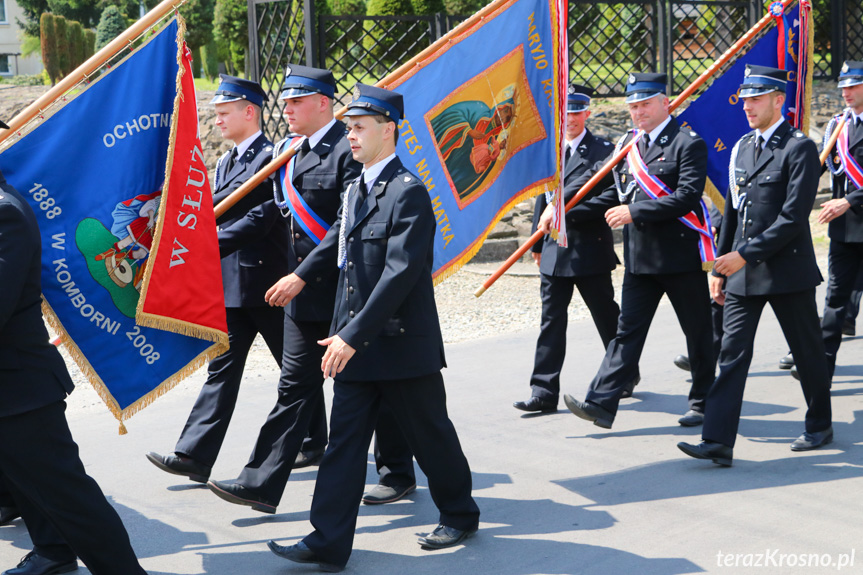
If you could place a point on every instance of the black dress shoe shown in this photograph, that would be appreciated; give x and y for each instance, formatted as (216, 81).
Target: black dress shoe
(682, 362)
(444, 536)
(786, 362)
(33, 564)
(300, 553)
(589, 411)
(849, 328)
(630, 389)
(716, 452)
(794, 373)
(181, 465)
(691, 418)
(387, 494)
(809, 441)
(309, 458)
(8, 515)
(239, 495)
(536, 404)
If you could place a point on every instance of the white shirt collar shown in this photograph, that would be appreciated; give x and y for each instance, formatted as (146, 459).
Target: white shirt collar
(243, 146)
(573, 144)
(654, 134)
(370, 176)
(315, 138)
(856, 117)
(766, 134)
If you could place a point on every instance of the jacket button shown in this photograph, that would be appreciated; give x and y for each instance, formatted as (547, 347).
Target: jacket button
(317, 279)
(371, 232)
(320, 184)
(749, 203)
(749, 222)
(351, 240)
(750, 184)
(297, 235)
(260, 263)
(401, 330)
(365, 343)
(749, 239)
(299, 259)
(352, 314)
(767, 178)
(350, 264)
(351, 289)
(681, 235)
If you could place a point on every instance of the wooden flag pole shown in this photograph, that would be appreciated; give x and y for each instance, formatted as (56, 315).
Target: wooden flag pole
(91, 65)
(825, 153)
(392, 78)
(614, 160)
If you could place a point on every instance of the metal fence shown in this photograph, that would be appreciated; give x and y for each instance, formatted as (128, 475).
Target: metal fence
(607, 40)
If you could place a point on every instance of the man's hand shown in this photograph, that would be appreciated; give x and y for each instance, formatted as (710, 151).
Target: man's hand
(729, 263)
(544, 224)
(284, 290)
(618, 216)
(716, 292)
(537, 257)
(832, 209)
(337, 355)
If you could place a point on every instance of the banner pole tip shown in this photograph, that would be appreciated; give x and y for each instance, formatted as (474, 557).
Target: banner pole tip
(480, 291)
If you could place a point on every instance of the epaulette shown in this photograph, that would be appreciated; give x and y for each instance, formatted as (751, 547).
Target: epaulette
(799, 134)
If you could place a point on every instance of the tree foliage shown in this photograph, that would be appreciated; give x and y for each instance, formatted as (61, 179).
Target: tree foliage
(231, 31)
(84, 11)
(427, 6)
(76, 45)
(348, 7)
(61, 31)
(49, 46)
(89, 44)
(111, 24)
(463, 7)
(33, 10)
(210, 60)
(383, 42)
(199, 22)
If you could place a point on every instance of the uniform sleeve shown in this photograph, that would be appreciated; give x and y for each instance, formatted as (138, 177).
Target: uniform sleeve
(412, 232)
(801, 163)
(727, 231)
(538, 208)
(16, 252)
(601, 198)
(691, 159)
(252, 227)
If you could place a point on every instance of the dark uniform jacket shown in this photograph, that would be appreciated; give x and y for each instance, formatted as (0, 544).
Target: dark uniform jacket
(253, 237)
(849, 226)
(320, 176)
(771, 227)
(32, 372)
(385, 307)
(590, 249)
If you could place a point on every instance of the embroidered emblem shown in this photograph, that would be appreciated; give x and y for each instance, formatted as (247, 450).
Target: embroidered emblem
(407, 179)
(663, 139)
(582, 149)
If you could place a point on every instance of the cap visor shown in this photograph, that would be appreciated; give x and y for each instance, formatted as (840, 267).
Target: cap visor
(223, 99)
(362, 112)
(576, 108)
(848, 82)
(295, 93)
(752, 92)
(641, 96)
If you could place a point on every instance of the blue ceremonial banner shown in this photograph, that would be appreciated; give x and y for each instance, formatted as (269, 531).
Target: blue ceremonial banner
(482, 123)
(721, 99)
(94, 172)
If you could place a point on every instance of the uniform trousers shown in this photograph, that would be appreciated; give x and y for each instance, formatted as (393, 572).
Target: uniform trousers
(845, 262)
(300, 403)
(393, 456)
(47, 542)
(639, 298)
(798, 317)
(205, 430)
(42, 466)
(597, 292)
(419, 406)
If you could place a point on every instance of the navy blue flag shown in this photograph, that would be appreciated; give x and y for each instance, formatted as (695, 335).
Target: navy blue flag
(94, 172)
(721, 99)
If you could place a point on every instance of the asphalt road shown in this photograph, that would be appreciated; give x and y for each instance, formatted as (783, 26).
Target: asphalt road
(558, 495)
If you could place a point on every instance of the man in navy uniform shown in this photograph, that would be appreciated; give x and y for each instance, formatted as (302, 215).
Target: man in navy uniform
(586, 262)
(662, 253)
(254, 248)
(385, 343)
(41, 466)
(766, 256)
(309, 192)
(844, 212)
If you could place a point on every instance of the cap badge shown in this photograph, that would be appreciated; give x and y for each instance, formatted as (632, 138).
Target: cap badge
(747, 72)
(632, 78)
(571, 89)
(356, 93)
(287, 71)
(845, 68)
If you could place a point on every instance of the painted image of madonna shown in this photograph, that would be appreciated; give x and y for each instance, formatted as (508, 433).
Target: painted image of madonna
(472, 138)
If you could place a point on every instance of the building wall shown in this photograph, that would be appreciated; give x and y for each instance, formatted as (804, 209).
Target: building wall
(10, 43)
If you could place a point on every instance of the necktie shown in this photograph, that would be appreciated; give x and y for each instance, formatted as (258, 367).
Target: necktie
(567, 155)
(306, 147)
(362, 192)
(232, 160)
(759, 145)
(644, 143)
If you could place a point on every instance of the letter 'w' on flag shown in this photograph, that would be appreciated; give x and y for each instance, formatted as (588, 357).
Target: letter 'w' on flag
(484, 121)
(129, 244)
(788, 45)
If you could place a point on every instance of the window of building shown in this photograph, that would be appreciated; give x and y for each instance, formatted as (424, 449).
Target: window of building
(3, 12)
(5, 68)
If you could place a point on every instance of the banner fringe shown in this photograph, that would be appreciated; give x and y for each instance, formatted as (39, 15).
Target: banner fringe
(459, 262)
